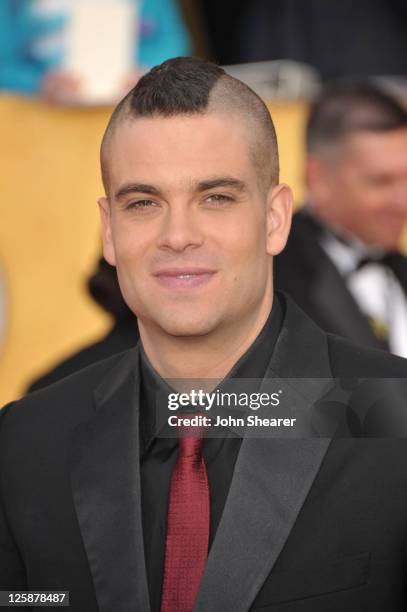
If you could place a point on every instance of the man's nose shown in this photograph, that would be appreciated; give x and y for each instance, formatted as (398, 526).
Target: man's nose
(180, 229)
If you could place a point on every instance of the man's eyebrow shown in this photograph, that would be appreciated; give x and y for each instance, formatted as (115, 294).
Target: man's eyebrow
(129, 188)
(221, 181)
(204, 185)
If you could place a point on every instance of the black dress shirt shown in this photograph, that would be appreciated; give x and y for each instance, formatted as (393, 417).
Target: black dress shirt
(158, 454)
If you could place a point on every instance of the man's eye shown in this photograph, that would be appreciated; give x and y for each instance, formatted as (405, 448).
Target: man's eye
(218, 198)
(140, 204)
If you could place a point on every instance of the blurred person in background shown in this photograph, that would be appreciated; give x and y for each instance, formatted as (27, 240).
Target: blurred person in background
(342, 263)
(32, 45)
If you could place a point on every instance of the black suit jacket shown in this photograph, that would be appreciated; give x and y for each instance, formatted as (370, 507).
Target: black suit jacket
(306, 272)
(309, 524)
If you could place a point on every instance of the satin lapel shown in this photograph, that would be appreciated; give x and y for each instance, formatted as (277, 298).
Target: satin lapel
(339, 309)
(105, 480)
(271, 480)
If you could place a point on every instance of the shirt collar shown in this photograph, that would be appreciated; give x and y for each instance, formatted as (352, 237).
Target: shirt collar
(345, 250)
(347, 254)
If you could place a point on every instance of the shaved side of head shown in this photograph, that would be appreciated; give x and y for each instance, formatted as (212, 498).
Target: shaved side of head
(230, 96)
(191, 86)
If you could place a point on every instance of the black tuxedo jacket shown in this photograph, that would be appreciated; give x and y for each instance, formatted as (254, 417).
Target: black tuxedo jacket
(305, 272)
(308, 525)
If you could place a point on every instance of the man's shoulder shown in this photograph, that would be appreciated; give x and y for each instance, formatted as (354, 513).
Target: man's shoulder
(348, 359)
(322, 351)
(305, 225)
(69, 400)
(301, 256)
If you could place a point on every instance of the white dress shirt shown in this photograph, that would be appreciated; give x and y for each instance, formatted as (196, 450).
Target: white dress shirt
(374, 287)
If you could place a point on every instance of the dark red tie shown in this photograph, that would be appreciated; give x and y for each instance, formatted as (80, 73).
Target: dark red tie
(186, 546)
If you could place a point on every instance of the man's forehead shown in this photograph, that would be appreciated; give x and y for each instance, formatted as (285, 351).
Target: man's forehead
(196, 127)
(188, 140)
(367, 141)
(376, 151)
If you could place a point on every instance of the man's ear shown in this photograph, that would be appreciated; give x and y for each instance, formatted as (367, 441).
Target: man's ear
(105, 219)
(279, 213)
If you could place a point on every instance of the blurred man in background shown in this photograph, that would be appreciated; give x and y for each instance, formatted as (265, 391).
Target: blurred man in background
(342, 263)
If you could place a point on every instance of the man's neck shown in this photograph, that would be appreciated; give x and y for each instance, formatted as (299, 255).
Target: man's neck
(209, 356)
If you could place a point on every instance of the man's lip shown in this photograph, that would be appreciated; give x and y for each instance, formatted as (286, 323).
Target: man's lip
(183, 272)
(184, 279)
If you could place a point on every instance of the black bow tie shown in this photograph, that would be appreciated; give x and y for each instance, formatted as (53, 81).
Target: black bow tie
(394, 261)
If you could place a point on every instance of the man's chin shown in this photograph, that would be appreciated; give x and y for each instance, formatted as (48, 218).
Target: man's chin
(186, 326)
(390, 243)
(187, 330)
(392, 236)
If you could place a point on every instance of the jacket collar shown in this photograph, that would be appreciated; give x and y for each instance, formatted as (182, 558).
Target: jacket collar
(105, 480)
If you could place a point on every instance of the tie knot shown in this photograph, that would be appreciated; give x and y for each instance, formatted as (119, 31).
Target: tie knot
(190, 446)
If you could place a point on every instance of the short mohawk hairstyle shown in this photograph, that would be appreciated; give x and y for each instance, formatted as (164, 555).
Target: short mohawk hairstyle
(177, 86)
(188, 86)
